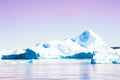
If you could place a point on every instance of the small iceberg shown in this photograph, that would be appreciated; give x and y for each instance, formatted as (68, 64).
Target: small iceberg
(106, 57)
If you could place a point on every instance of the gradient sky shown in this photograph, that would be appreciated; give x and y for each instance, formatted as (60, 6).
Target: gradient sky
(23, 23)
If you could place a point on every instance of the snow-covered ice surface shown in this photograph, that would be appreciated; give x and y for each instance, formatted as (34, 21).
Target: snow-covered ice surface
(86, 42)
(10, 51)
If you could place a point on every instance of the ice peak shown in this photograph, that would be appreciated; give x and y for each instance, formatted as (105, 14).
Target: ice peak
(89, 33)
(88, 38)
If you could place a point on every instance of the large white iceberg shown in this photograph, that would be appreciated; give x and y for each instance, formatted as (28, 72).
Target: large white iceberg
(82, 46)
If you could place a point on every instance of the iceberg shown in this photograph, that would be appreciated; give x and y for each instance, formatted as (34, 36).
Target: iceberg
(87, 45)
(10, 51)
(28, 54)
(101, 52)
(78, 47)
(106, 57)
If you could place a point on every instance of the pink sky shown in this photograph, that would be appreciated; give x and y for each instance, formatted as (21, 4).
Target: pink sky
(44, 20)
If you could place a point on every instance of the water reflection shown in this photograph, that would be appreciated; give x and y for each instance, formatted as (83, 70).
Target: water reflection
(28, 71)
(58, 70)
(84, 70)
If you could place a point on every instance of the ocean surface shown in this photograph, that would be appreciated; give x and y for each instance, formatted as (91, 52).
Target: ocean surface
(57, 69)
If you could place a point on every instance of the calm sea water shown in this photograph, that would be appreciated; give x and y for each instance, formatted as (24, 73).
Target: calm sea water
(56, 69)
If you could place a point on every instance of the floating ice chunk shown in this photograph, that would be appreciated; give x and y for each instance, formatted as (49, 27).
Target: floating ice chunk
(106, 57)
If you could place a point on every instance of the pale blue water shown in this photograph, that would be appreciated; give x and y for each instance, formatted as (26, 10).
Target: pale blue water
(55, 69)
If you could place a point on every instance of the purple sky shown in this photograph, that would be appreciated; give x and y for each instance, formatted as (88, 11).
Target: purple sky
(24, 23)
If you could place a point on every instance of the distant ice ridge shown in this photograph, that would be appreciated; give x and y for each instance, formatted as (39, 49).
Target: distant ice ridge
(86, 45)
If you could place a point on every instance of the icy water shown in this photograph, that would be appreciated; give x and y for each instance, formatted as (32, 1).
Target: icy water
(55, 69)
